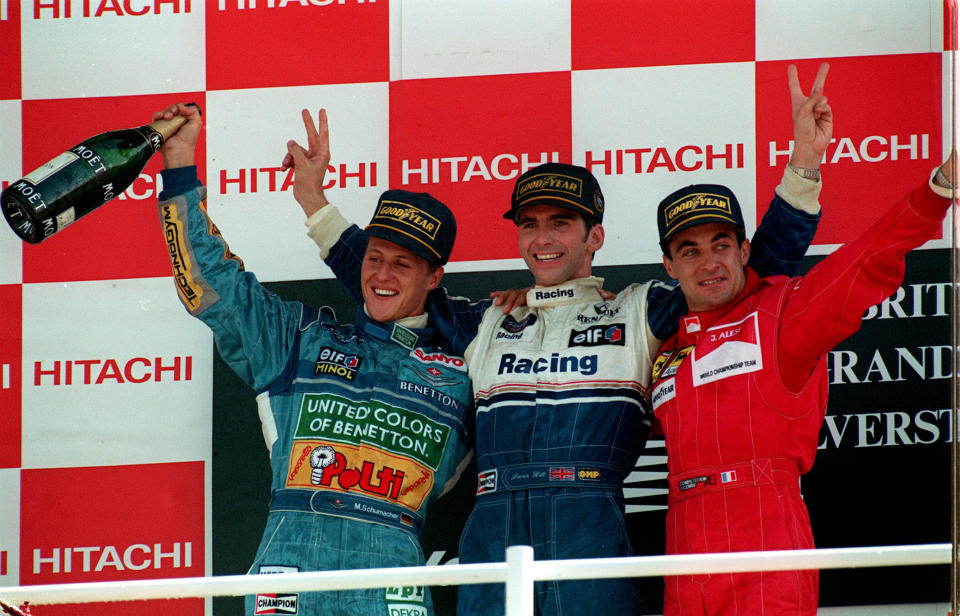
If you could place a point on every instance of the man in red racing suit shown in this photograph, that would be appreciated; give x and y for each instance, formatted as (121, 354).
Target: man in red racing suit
(741, 390)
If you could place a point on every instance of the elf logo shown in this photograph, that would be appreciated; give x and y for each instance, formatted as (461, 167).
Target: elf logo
(598, 335)
(337, 363)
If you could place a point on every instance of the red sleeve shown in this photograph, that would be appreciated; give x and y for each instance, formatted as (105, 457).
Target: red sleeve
(827, 305)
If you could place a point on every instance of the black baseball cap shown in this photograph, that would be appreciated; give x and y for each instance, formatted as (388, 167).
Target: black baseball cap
(416, 221)
(697, 204)
(560, 185)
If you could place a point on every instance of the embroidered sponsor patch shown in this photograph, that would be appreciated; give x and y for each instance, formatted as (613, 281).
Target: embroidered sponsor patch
(726, 350)
(330, 361)
(562, 473)
(407, 594)
(487, 482)
(360, 470)
(437, 357)
(403, 336)
(598, 335)
(663, 391)
(276, 603)
(588, 474)
(513, 326)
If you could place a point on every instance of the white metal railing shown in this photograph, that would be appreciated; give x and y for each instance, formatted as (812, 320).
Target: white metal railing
(518, 572)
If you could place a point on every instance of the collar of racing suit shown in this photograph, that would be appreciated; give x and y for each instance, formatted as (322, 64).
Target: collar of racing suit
(693, 323)
(570, 292)
(408, 332)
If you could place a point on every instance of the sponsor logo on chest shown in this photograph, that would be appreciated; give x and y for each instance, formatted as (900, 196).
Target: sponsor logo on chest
(330, 361)
(598, 335)
(727, 350)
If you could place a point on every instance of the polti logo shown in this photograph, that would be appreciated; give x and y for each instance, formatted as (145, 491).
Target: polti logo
(66, 9)
(453, 157)
(275, 179)
(126, 522)
(128, 241)
(99, 371)
(870, 139)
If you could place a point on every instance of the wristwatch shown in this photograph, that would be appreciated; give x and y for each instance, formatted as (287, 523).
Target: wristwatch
(810, 174)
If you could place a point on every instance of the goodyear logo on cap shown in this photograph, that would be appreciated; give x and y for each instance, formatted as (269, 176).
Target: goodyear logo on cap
(396, 215)
(551, 182)
(698, 204)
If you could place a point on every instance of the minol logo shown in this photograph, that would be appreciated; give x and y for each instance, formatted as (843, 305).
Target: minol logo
(598, 335)
(554, 294)
(511, 364)
(337, 363)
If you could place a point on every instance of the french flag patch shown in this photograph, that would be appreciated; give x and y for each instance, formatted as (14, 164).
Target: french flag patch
(728, 476)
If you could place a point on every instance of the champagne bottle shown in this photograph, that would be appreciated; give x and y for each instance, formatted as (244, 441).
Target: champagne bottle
(80, 180)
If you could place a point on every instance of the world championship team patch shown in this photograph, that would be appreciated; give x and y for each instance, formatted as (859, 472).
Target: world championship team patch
(727, 350)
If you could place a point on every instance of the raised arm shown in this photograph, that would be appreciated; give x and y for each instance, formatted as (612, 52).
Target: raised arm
(254, 329)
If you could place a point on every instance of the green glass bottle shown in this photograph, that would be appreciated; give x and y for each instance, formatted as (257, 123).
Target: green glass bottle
(80, 180)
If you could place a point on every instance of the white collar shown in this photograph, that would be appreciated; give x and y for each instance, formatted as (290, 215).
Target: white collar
(569, 292)
(418, 321)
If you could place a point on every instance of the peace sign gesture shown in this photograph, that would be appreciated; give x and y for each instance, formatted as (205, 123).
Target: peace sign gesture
(310, 164)
(812, 119)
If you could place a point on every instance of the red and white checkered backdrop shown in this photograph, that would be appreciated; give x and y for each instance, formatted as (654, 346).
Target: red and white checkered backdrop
(106, 385)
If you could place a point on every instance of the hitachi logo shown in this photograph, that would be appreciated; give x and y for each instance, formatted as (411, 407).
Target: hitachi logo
(554, 294)
(511, 364)
(869, 149)
(63, 9)
(134, 557)
(99, 371)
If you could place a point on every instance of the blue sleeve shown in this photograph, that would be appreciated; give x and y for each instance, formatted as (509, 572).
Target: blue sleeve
(781, 239)
(255, 331)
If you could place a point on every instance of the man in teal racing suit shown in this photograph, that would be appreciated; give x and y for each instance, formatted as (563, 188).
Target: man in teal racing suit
(561, 384)
(365, 424)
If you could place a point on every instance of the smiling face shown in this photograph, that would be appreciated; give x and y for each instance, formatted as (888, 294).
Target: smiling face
(708, 263)
(555, 244)
(395, 282)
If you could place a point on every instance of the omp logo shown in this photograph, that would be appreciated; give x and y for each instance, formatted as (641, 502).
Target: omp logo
(99, 371)
(275, 179)
(135, 557)
(279, 4)
(466, 168)
(870, 149)
(64, 9)
(511, 364)
(660, 159)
